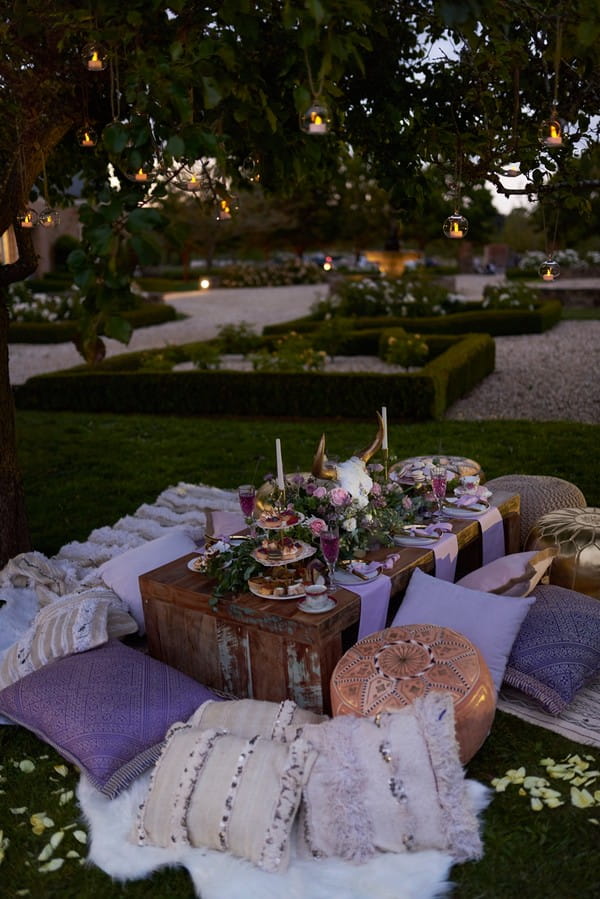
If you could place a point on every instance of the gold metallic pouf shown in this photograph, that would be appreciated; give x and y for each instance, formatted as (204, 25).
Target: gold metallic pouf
(388, 670)
(576, 532)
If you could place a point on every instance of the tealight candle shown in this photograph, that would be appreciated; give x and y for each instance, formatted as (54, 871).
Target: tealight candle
(141, 175)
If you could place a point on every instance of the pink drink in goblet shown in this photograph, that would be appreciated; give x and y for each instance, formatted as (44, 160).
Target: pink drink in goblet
(330, 547)
(439, 480)
(247, 496)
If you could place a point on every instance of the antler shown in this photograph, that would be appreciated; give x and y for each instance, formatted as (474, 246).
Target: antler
(320, 469)
(366, 454)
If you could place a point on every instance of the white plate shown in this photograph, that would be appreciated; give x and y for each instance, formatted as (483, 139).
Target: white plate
(305, 552)
(326, 607)
(280, 527)
(347, 577)
(408, 540)
(270, 595)
(466, 511)
(190, 565)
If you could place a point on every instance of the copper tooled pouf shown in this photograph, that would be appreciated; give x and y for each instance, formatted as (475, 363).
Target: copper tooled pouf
(391, 668)
(576, 532)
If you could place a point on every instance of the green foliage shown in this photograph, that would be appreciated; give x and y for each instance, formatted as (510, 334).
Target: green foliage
(406, 350)
(291, 353)
(270, 275)
(415, 295)
(510, 296)
(241, 338)
(206, 357)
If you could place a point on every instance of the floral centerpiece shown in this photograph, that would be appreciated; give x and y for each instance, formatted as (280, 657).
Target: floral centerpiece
(369, 512)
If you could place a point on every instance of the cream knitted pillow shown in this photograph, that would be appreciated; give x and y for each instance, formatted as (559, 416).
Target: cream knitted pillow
(249, 717)
(214, 789)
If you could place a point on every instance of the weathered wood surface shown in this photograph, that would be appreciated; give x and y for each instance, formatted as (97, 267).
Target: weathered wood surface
(269, 649)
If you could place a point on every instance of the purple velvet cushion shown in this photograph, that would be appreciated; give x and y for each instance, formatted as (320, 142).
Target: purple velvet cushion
(106, 710)
(557, 650)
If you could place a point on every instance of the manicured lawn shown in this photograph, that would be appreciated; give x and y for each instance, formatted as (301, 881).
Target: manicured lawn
(83, 471)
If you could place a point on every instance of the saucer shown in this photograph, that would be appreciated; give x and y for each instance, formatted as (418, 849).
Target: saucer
(318, 610)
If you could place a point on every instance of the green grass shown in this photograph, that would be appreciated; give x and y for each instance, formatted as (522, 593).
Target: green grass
(83, 471)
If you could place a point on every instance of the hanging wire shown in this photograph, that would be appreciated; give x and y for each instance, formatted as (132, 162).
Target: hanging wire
(550, 246)
(557, 58)
(115, 90)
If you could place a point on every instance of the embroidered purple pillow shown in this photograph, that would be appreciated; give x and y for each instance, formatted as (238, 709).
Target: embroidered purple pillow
(557, 650)
(106, 710)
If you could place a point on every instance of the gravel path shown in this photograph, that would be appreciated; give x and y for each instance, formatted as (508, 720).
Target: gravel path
(546, 377)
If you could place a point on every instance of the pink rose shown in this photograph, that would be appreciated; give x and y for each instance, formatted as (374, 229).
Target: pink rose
(376, 489)
(320, 492)
(339, 497)
(316, 525)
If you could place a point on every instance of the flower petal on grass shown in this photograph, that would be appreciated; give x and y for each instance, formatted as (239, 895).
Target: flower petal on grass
(26, 766)
(581, 798)
(53, 865)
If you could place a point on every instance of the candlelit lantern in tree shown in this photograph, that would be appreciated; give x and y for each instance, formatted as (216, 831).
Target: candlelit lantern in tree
(87, 137)
(28, 218)
(49, 218)
(513, 170)
(456, 226)
(549, 270)
(226, 206)
(250, 169)
(94, 57)
(316, 119)
(551, 132)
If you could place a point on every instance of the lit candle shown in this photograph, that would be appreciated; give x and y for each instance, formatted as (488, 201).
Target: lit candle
(27, 220)
(94, 63)
(554, 139)
(280, 475)
(455, 231)
(384, 439)
(87, 141)
(547, 276)
(141, 175)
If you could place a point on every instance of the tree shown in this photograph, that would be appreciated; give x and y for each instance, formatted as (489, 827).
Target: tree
(221, 80)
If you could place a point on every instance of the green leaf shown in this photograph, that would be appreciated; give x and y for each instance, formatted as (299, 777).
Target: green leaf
(175, 146)
(144, 220)
(146, 248)
(118, 328)
(211, 91)
(316, 10)
(115, 137)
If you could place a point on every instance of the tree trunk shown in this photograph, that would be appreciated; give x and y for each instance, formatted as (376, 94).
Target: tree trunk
(14, 533)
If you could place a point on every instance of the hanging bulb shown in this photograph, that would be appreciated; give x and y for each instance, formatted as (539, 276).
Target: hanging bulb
(456, 226)
(87, 137)
(49, 218)
(94, 57)
(549, 270)
(316, 119)
(27, 219)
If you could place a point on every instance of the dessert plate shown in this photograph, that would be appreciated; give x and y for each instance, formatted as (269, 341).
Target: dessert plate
(471, 511)
(346, 576)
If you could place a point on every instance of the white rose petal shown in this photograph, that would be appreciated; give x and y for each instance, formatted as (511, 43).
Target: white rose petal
(80, 836)
(26, 766)
(53, 865)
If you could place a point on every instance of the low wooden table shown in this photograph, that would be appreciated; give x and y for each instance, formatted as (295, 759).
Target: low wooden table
(268, 649)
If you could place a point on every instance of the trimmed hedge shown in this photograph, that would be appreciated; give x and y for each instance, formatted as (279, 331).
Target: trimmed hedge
(497, 322)
(459, 364)
(65, 332)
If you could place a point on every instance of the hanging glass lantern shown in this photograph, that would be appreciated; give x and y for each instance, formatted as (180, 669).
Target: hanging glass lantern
(87, 137)
(49, 218)
(250, 169)
(549, 270)
(455, 226)
(225, 207)
(145, 174)
(512, 170)
(94, 57)
(316, 119)
(28, 218)
(551, 132)
(190, 178)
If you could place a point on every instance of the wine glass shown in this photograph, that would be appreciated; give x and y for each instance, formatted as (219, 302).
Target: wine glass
(438, 477)
(247, 497)
(330, 547)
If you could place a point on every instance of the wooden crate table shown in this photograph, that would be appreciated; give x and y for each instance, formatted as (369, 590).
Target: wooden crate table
(268, 649)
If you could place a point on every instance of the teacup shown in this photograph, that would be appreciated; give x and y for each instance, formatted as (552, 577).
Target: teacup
(316, 596)
(470, 481)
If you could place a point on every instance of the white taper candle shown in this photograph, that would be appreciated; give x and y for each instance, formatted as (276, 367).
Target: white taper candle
(384, 441)
(280, 476)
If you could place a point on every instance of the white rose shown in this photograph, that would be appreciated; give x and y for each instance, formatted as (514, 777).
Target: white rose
(349, 524)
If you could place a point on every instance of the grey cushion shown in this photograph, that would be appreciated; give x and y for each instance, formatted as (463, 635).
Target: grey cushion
(539, 494)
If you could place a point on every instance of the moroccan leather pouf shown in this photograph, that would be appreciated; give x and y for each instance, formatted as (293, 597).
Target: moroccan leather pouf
(389, 669)
(576, 532)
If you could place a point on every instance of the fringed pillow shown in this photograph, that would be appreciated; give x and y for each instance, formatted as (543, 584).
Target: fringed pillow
(391, 783)
(65, 627)
(252, 717)
(214, 789)
(514, 575)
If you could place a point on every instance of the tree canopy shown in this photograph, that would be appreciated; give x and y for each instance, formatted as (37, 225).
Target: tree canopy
(456, 87)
